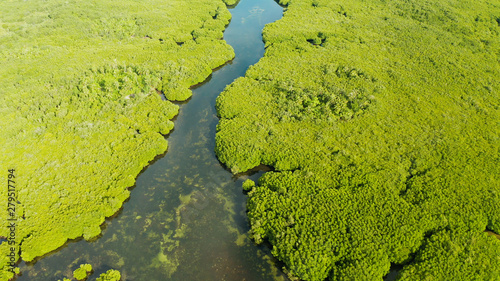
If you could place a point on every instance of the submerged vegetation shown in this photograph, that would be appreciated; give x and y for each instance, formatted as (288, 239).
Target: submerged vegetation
(81, 87)
(381, 120)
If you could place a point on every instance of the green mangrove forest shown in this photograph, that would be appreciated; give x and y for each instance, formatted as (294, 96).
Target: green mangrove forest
(377, 124)
(81, 109)
(382, 122)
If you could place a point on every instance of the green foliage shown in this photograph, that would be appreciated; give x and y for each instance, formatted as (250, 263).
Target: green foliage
(82, 272)
(381, 120)
(110, 275)
(248, 185)
(81, 107)
(456, 255)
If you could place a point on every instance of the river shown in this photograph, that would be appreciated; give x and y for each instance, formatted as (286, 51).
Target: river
(185, 219)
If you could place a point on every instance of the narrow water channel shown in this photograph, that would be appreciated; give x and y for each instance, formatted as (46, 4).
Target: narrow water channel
(185, 219)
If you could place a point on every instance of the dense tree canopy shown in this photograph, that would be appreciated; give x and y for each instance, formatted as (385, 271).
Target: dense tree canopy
(381, 119)
(81, 109)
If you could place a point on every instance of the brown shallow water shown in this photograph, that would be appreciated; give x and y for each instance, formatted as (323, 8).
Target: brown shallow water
(186, 217)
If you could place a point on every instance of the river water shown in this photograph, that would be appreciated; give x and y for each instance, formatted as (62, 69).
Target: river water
(185, 219)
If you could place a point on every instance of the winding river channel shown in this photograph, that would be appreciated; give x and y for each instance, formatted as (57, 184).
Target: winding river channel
(185, 219)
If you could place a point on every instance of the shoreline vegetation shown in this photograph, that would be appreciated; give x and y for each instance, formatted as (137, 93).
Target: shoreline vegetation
(381, 122)
(80, 107)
